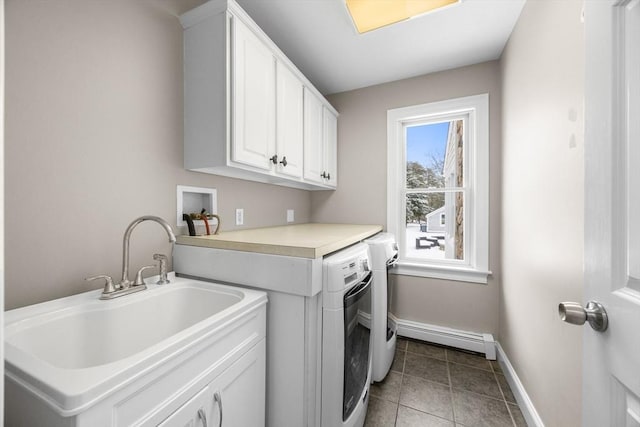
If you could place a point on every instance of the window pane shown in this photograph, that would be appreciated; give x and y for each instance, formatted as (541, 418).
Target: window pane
(434, 154)
(435, 226)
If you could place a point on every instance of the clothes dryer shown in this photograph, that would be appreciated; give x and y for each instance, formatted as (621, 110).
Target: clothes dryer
(384, 256)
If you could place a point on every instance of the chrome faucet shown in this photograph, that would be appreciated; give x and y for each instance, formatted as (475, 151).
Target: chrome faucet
(126, 286)
(125, 282)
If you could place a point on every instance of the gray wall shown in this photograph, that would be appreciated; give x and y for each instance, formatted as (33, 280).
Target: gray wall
(94, 140)
(361, 196)
(543, 155)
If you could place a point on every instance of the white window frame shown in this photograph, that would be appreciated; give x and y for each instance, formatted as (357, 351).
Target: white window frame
(475, 110)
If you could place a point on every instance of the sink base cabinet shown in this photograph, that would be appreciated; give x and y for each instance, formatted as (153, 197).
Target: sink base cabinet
(235, 397)
(229, 364)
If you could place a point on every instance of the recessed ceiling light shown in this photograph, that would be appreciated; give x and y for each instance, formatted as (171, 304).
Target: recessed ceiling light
(369, 15)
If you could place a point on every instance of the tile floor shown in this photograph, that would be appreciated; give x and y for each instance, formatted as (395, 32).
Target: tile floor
(434, 386)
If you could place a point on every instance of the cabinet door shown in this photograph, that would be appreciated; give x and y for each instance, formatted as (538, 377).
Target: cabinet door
(253, 94)
(238, 394)
(194, 413)
(330, 144)
(289, 129)
(313, 142)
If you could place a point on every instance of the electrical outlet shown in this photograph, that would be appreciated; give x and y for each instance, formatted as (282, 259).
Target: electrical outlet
(290, 215)
(239, 216)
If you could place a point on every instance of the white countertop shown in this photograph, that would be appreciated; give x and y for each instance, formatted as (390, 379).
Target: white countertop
(298, 240)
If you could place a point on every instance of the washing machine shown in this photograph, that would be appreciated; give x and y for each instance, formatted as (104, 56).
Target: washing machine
(346, 341)
(384, 256)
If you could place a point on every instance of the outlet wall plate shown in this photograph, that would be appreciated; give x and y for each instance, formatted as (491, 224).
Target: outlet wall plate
(290, 215)
(239, 216)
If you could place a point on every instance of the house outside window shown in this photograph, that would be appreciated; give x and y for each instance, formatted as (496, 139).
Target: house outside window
(438, 188)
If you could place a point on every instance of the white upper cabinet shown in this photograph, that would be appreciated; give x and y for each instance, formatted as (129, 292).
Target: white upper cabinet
(330, 144)
(320, 142)
(313, 146)
(248, 110)
(253, 99)
(289, 126)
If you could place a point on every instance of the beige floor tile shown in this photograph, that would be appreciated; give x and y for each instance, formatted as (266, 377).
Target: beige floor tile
(389, 388)
(398, 361)
(426, 396)
(477, 361)
(496, 367)
(474, 410)
(380, 413)
(409, 417)
(518, 418)
(427, 368)
(475, 380)
(426, 349)
(401, 343)
(506, 390)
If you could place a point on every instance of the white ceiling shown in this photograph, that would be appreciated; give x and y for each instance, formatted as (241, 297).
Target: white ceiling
(318, 36)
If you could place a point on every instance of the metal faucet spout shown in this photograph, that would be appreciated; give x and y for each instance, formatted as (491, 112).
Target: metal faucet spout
(125, 283)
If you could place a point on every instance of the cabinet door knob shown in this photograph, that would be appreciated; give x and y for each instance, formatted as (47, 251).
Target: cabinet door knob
(323, 174)
(274, 159)
(328, 176)
(284, 161)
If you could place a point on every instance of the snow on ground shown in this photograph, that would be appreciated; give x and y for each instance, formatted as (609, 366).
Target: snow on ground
(413, 232)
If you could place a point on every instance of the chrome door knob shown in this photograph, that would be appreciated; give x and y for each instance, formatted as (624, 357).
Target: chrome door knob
(594, 313)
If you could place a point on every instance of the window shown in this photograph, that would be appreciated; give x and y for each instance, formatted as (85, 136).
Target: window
(438, 188)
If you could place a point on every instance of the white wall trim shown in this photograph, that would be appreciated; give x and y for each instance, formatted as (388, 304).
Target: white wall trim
(441, 272)
(524, 402)
(482, 343)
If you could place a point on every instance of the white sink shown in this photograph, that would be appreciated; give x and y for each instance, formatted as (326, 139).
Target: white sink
(75, 350)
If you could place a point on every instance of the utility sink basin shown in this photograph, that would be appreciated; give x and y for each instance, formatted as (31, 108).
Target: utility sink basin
(75, 350)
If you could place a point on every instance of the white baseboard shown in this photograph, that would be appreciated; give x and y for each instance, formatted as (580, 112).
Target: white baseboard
(524, 402)
(481, 343)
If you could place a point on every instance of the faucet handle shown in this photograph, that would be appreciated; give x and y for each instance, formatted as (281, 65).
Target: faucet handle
(108, 286)
(139, 280)
(163, 268)
(160, 257)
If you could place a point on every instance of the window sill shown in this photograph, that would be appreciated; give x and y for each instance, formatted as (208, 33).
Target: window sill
(441, 272)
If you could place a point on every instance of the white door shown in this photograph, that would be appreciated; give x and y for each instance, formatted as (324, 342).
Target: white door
(611, 368)
(289, 122)
(254, 99)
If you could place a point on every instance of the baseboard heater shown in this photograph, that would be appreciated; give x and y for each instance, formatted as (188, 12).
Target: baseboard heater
(478, 342)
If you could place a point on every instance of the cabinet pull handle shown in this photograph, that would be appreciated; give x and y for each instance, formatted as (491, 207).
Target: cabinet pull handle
(274, 159)
(218, 399)
(284, 161)
(203, 417)
(323, 174)
(329, 176)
